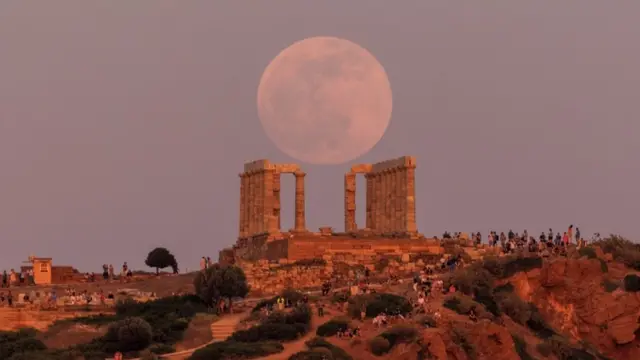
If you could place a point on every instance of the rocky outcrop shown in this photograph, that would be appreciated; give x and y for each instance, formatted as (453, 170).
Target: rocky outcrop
(570, 295)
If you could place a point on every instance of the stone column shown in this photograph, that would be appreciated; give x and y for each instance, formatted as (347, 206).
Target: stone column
(379, 201)
(250, 214)
(369, 202)
(300, 205)
(411, 198)
(259, 198)
(402, 199)
(393, 199)
(242, 230)
(383, 200)
(276, 199)
(350, 202)
(268, 219)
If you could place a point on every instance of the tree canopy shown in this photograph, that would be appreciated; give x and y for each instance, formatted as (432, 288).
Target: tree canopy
(221, 281)
(161, 258)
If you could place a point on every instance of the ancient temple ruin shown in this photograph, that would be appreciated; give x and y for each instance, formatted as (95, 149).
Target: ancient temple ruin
(390, 215)
(390, 196)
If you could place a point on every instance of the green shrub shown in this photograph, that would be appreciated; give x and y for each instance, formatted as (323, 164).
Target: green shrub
(399, 334)
(270, 332)
(622, 250)
(589, 252)
(460, 304)
(504, 288)
(379, 346)
(609, 286)
(340, 296)
(315, 354)
(337, 352)
(299, 315)
(379, 303)
(459, 337)
(538, 325)
(521, 347)
(516, 309)
(512, 265)
(227, 350)
(131, 334)
(603, 266)
(17, 343)
(289, 294)
(470, 279)
(162, 349)
(332, 327)
(631, 283)
(559, 347)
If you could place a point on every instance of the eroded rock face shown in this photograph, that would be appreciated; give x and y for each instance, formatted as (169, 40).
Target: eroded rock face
(570, 295)
(492, 341)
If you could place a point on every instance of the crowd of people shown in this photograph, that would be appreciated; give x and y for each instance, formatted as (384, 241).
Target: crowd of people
(547, 242)
(24, 277)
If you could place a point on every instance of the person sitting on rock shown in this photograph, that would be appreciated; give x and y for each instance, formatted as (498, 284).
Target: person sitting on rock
(355, 332)
(472, 315)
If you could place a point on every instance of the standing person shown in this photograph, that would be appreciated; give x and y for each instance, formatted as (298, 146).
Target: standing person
(12, 277)
(203, 264)
(577, 234)
(105, 272)
(5, 279)
(208, 262)
(565, 239)
(10, 299)
(570, 233)
(550, 235)
(111, 272)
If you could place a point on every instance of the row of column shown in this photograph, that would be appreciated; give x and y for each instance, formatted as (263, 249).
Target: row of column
(260, 202)
(390, 204)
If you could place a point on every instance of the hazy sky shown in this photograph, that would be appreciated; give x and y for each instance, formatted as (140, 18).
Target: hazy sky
(124, 124)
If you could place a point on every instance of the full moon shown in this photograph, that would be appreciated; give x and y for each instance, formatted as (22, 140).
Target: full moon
(324, 100)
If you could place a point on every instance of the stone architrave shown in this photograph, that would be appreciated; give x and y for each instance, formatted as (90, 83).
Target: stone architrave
(300, 224)
(350, 202)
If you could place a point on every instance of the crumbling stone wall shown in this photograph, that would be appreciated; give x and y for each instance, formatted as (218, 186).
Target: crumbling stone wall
(270, 278)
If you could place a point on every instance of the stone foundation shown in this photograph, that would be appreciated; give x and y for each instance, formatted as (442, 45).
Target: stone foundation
(323, 246)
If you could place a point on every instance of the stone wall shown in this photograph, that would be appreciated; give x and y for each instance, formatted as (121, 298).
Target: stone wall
(364, 250)
(12, 319)
(271, 278)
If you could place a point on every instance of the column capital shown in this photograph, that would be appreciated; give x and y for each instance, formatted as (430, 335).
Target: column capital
(299, 174)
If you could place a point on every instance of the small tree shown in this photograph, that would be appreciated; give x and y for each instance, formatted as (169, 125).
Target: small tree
(221, 281)
(161, 258)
